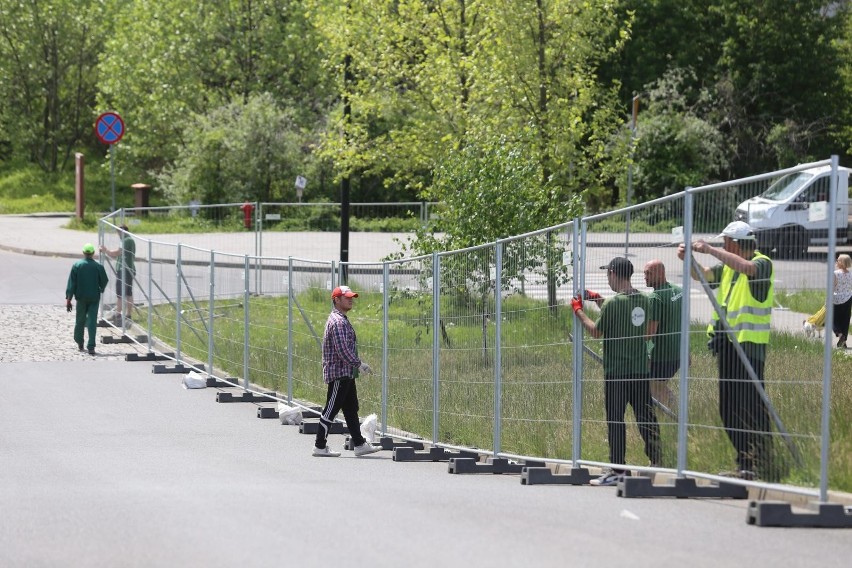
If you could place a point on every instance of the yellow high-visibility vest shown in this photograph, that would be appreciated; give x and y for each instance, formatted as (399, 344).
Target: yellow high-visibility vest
(748, 318)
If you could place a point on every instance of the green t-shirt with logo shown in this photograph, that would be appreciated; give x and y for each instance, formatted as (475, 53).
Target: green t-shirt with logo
(623, 323)
(666, 303)
(128, 258)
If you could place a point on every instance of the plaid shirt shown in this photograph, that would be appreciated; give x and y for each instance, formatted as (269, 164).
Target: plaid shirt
(339, 348)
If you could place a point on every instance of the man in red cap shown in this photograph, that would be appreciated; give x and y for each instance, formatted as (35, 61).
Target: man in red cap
(340, 368)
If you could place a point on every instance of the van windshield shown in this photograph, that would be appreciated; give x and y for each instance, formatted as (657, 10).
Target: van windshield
(787, 186)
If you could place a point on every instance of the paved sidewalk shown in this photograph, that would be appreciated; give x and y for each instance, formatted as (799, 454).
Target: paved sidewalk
(42, 235)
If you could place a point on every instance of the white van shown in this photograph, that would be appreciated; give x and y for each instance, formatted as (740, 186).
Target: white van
(792, 214)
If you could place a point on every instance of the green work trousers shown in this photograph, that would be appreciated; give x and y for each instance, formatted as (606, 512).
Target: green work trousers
(87, 316)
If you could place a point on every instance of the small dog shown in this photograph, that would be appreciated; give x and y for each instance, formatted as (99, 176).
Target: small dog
(811, 330)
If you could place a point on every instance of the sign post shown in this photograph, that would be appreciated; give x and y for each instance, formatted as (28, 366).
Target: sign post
(109, 129)
(301, 182)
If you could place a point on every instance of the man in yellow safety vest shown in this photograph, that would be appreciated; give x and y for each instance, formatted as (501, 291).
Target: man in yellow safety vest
(744, 279)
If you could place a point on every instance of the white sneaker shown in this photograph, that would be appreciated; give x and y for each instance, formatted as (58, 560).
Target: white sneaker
(325, 452)
(609, 477)
(366, 448)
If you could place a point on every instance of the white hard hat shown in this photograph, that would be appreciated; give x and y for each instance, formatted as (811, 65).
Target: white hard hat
(737, 230)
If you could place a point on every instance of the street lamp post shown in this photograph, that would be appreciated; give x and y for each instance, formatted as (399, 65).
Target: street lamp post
(344, 183)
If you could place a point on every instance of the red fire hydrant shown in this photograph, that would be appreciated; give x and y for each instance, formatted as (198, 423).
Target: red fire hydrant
(247, 209)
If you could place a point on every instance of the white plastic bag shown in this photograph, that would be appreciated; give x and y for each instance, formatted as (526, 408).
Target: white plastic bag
(193, 380)
(369, 427)
(289, 414)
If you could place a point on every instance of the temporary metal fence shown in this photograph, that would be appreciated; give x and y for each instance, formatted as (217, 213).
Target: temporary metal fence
(377, 230)
(479, 348)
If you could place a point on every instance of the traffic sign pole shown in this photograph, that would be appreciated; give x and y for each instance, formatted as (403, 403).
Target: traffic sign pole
(109, 129)
(112, 172)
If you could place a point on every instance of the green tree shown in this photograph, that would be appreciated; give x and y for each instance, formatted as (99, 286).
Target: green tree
(48, 74)
(150, 75)
(781, 60)
(240, 151)
(545, 59)
(664, 35)
(675, 146)
(414, 76)
(170, 60)
(842, 130)
(770, 70)
(430, 78)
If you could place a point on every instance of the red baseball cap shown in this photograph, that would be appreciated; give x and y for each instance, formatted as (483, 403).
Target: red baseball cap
(344, 291)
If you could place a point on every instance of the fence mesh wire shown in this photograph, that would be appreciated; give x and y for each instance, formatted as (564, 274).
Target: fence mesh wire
(536, 391)
(466, 348)
(502, 336)
(409, 346)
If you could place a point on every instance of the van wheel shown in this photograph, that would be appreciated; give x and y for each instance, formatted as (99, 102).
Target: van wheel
(793, 244)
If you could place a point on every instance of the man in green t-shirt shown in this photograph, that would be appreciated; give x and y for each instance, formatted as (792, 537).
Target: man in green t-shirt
(666, 303)
(125, 271)
(86, 282)
(625, 326)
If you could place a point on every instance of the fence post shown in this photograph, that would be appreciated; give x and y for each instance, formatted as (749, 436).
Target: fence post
(179, 274)
(210, 314)
(101, 259)
(827, 348)
(258, 252)
(498, 370)
(290, 330)
(385, 292)
(246, 297)
(436, 345)
(685, 318)
(577, 262)
(150, 296)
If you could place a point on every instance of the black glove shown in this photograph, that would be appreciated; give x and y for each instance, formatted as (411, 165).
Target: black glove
(68, 305)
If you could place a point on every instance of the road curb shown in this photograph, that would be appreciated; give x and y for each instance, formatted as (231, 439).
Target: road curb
(32, 252)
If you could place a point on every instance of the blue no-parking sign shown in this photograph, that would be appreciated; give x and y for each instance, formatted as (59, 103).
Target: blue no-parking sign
(109, 128)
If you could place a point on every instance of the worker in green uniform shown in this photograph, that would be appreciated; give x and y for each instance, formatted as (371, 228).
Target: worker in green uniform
(625, 326)
(666, 306)
(86, 283)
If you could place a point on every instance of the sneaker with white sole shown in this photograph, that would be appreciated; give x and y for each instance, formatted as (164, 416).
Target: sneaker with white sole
(609, 477)
(365, 449)
(325, 452)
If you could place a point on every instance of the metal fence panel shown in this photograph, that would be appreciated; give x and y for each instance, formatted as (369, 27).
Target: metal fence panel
(367, 317)
(410, 329)
(466, 352)
(777, 438)
(640, 429)
(536, 363)
(309, 302)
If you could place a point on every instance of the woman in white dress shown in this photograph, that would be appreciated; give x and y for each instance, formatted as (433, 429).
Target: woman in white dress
(842, 299)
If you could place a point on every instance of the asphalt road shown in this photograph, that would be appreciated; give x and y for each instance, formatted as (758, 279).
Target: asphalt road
(103, 463)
